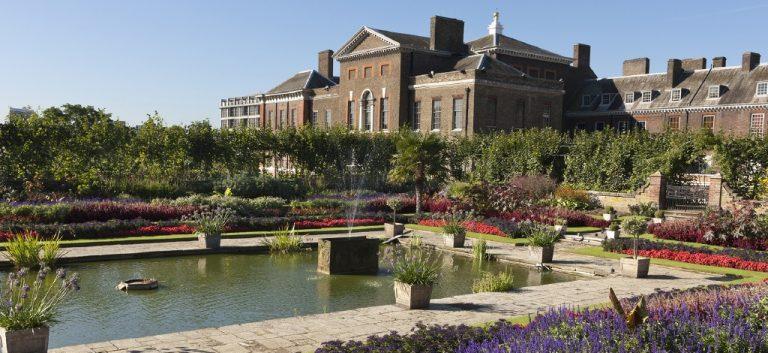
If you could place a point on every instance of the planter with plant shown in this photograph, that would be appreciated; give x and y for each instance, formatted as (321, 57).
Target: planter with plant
(415, 274)
(658, 217)
(454, 232)
(541, 243)
(209, 225)
(636, 267)
(26, 251)
(394, 229)
(30, 306)
(613, 231)
(609, 213)
(561, 225)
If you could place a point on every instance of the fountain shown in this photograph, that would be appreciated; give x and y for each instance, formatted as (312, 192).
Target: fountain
(351, 254)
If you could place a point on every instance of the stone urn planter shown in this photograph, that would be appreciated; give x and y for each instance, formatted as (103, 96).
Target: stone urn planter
(393, 229)
(33, 340)
(635, 268)
(541, 254)
(612, 234)
(412, 296)
(209, 241)
(455, 240)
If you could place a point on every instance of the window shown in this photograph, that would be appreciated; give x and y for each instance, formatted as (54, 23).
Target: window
(384, 71)
(676, 95)
(599, 126)
(224, 112)
(533, 72)
(623, 126)
(328, 118)
(708, 122)
(546, 115)
(233, 112)
(647, 96)
(458, 113)
(367, 103)
(606, 98)
(762, 89)
(586, 100)
(351, 114)
(550, 75)
(351, 74)
(757, 125)
(281, 124)
(640, 125)
(293, 117)
(313, 119)
(384, 113)
(713, 92)
(436, 112)
(367, 72)
(416, 116)
(629, 97)
(673, 122)
(269, 118)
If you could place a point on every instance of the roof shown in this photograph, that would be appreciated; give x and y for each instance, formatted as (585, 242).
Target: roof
(515, 47)
(393, 40)
(404, 39)
(486, 63)
(303, 80)
(737, 87)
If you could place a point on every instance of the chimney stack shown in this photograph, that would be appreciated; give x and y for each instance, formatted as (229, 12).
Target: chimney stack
(694, 64)
(581, 54)
(325, 63)
(718, 62)
(446, 34)
(749, 61)
(674, 70)
(639, 66)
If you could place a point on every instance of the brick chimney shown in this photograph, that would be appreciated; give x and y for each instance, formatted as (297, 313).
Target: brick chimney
(325, 63)
(749, 61)
(694, 64)
(581, 54)
(446, 34)
(639, 66)
(674, 71)
(718, 62)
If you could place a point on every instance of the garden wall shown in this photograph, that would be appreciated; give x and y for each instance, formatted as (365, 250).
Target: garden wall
(653, 191)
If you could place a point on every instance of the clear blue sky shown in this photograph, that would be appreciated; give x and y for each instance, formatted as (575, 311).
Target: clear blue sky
(181, 57)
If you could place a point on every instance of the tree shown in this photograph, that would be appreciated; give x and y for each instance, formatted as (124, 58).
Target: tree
(419, 159)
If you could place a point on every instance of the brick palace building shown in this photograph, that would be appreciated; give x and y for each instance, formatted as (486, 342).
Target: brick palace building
(441, 83)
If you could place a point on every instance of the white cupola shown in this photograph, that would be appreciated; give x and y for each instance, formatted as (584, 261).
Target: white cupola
(495, 27)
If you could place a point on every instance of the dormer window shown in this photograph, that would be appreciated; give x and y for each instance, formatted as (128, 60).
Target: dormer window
(713, 92)
(647, 96)
(586, 100)
(606, 98)
(676, 95)
(629, 97)
(762, 89)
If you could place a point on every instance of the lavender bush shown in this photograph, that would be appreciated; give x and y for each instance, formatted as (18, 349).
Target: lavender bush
(28, 304)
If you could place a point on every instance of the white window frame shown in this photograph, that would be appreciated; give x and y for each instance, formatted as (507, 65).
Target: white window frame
(649, 96)
(629, 97)
(437, 114)
(328, 118)
(757, 130)
(457, 117)
(710, 89)
(704, 117)
(676, 95)
(384, 113)
(586, 100)
(761, 86)
(606, 99)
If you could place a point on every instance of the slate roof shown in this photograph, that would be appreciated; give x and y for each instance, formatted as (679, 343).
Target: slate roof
(511, 44)
(737, 88)
(486, 63)
(303, 80)
(408, 40)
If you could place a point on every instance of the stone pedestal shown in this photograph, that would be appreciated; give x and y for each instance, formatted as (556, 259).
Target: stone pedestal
(355, 255)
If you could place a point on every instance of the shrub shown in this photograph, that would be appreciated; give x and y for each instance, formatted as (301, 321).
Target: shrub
(645, 209)
(634, 226)
(572, 199)
(337, 222)
(32, 305)
(548, 215)
(23, 250)
(260, 206)
(500, 282)
(659, 214)
(479, 249)
(264, 185)
(522, 191)
(210, 222)
(284, 241)
(414, 266)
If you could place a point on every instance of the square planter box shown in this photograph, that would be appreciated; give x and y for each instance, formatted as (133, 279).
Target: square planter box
(34, 340)
(393, 229)
(455, 240)
(635, 268)
(612, 234)
(657, 220)
(412, 296)
(609, 216)
(541, 255)
(208, 241)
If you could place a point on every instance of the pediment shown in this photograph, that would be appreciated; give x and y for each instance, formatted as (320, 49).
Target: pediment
(370, 42)
(365, 40)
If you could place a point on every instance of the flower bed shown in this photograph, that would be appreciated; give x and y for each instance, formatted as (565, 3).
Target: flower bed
(338, 222)
(89, 211)
(695, 232)
(548, 215)
(703, 259)
(472, 226)
(713, 319)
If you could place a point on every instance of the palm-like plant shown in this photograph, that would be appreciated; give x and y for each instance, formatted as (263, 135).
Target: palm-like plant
(419, 159)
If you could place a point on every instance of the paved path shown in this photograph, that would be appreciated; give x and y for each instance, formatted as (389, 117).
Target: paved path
(305, 333)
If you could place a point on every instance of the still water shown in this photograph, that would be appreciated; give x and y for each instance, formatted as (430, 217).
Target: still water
(215, 290)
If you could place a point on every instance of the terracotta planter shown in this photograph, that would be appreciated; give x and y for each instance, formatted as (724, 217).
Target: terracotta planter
(635, 268)
(541, 254)
(209, 241)
(412, 296)
(455, 240)
(657, 220)
(612, 234)
(393, 229)
(33, 340)
(609, 216)
(561, 229)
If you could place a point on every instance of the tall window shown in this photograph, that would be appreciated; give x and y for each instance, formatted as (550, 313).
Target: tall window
(327, 118)
(313, 119)
(416, 116)
(282, 119)
(384, 113)
(708, 122)
(293, 117)
(269, 118)
(492, 112)
(436, 112)
(351, 114)
(757, 125)
(367, 103)
(458, 113)
(546, 115)
(673, 122)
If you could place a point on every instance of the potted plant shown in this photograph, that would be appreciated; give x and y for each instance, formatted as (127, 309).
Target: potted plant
(609, 213)
(658, 216)
(29, 306)
(394, 229)
(453, 230)
(415, 274)
(612, 232)
(635, 266)
(561, 225)
(541, 243)
(209, 225)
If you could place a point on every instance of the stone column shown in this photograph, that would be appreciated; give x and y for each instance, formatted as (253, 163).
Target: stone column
(715, 196)
(657, 190)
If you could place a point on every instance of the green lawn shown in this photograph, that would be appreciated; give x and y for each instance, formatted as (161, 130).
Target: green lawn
(488, 237)
(187, 237)
(738, 276)
(583, 229)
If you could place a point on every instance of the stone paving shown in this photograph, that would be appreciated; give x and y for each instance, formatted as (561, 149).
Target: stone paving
(305, 333)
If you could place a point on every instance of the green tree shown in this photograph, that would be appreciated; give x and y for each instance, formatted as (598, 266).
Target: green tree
(744, 164)
(419, 159)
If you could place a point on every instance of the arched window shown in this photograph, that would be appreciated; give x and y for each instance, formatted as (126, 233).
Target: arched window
(367, 106)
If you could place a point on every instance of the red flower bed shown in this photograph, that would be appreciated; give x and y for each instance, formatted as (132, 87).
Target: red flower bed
(548, 215)
(472, 226)
(5, 236)
(691, 231)
(703, 259)
(160, 230)
(104, 211)
(337, 222)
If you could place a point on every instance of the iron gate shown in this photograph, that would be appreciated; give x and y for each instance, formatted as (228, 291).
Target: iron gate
(692, 193)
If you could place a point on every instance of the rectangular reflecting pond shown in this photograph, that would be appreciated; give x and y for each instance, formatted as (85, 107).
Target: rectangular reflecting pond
(216, 290)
